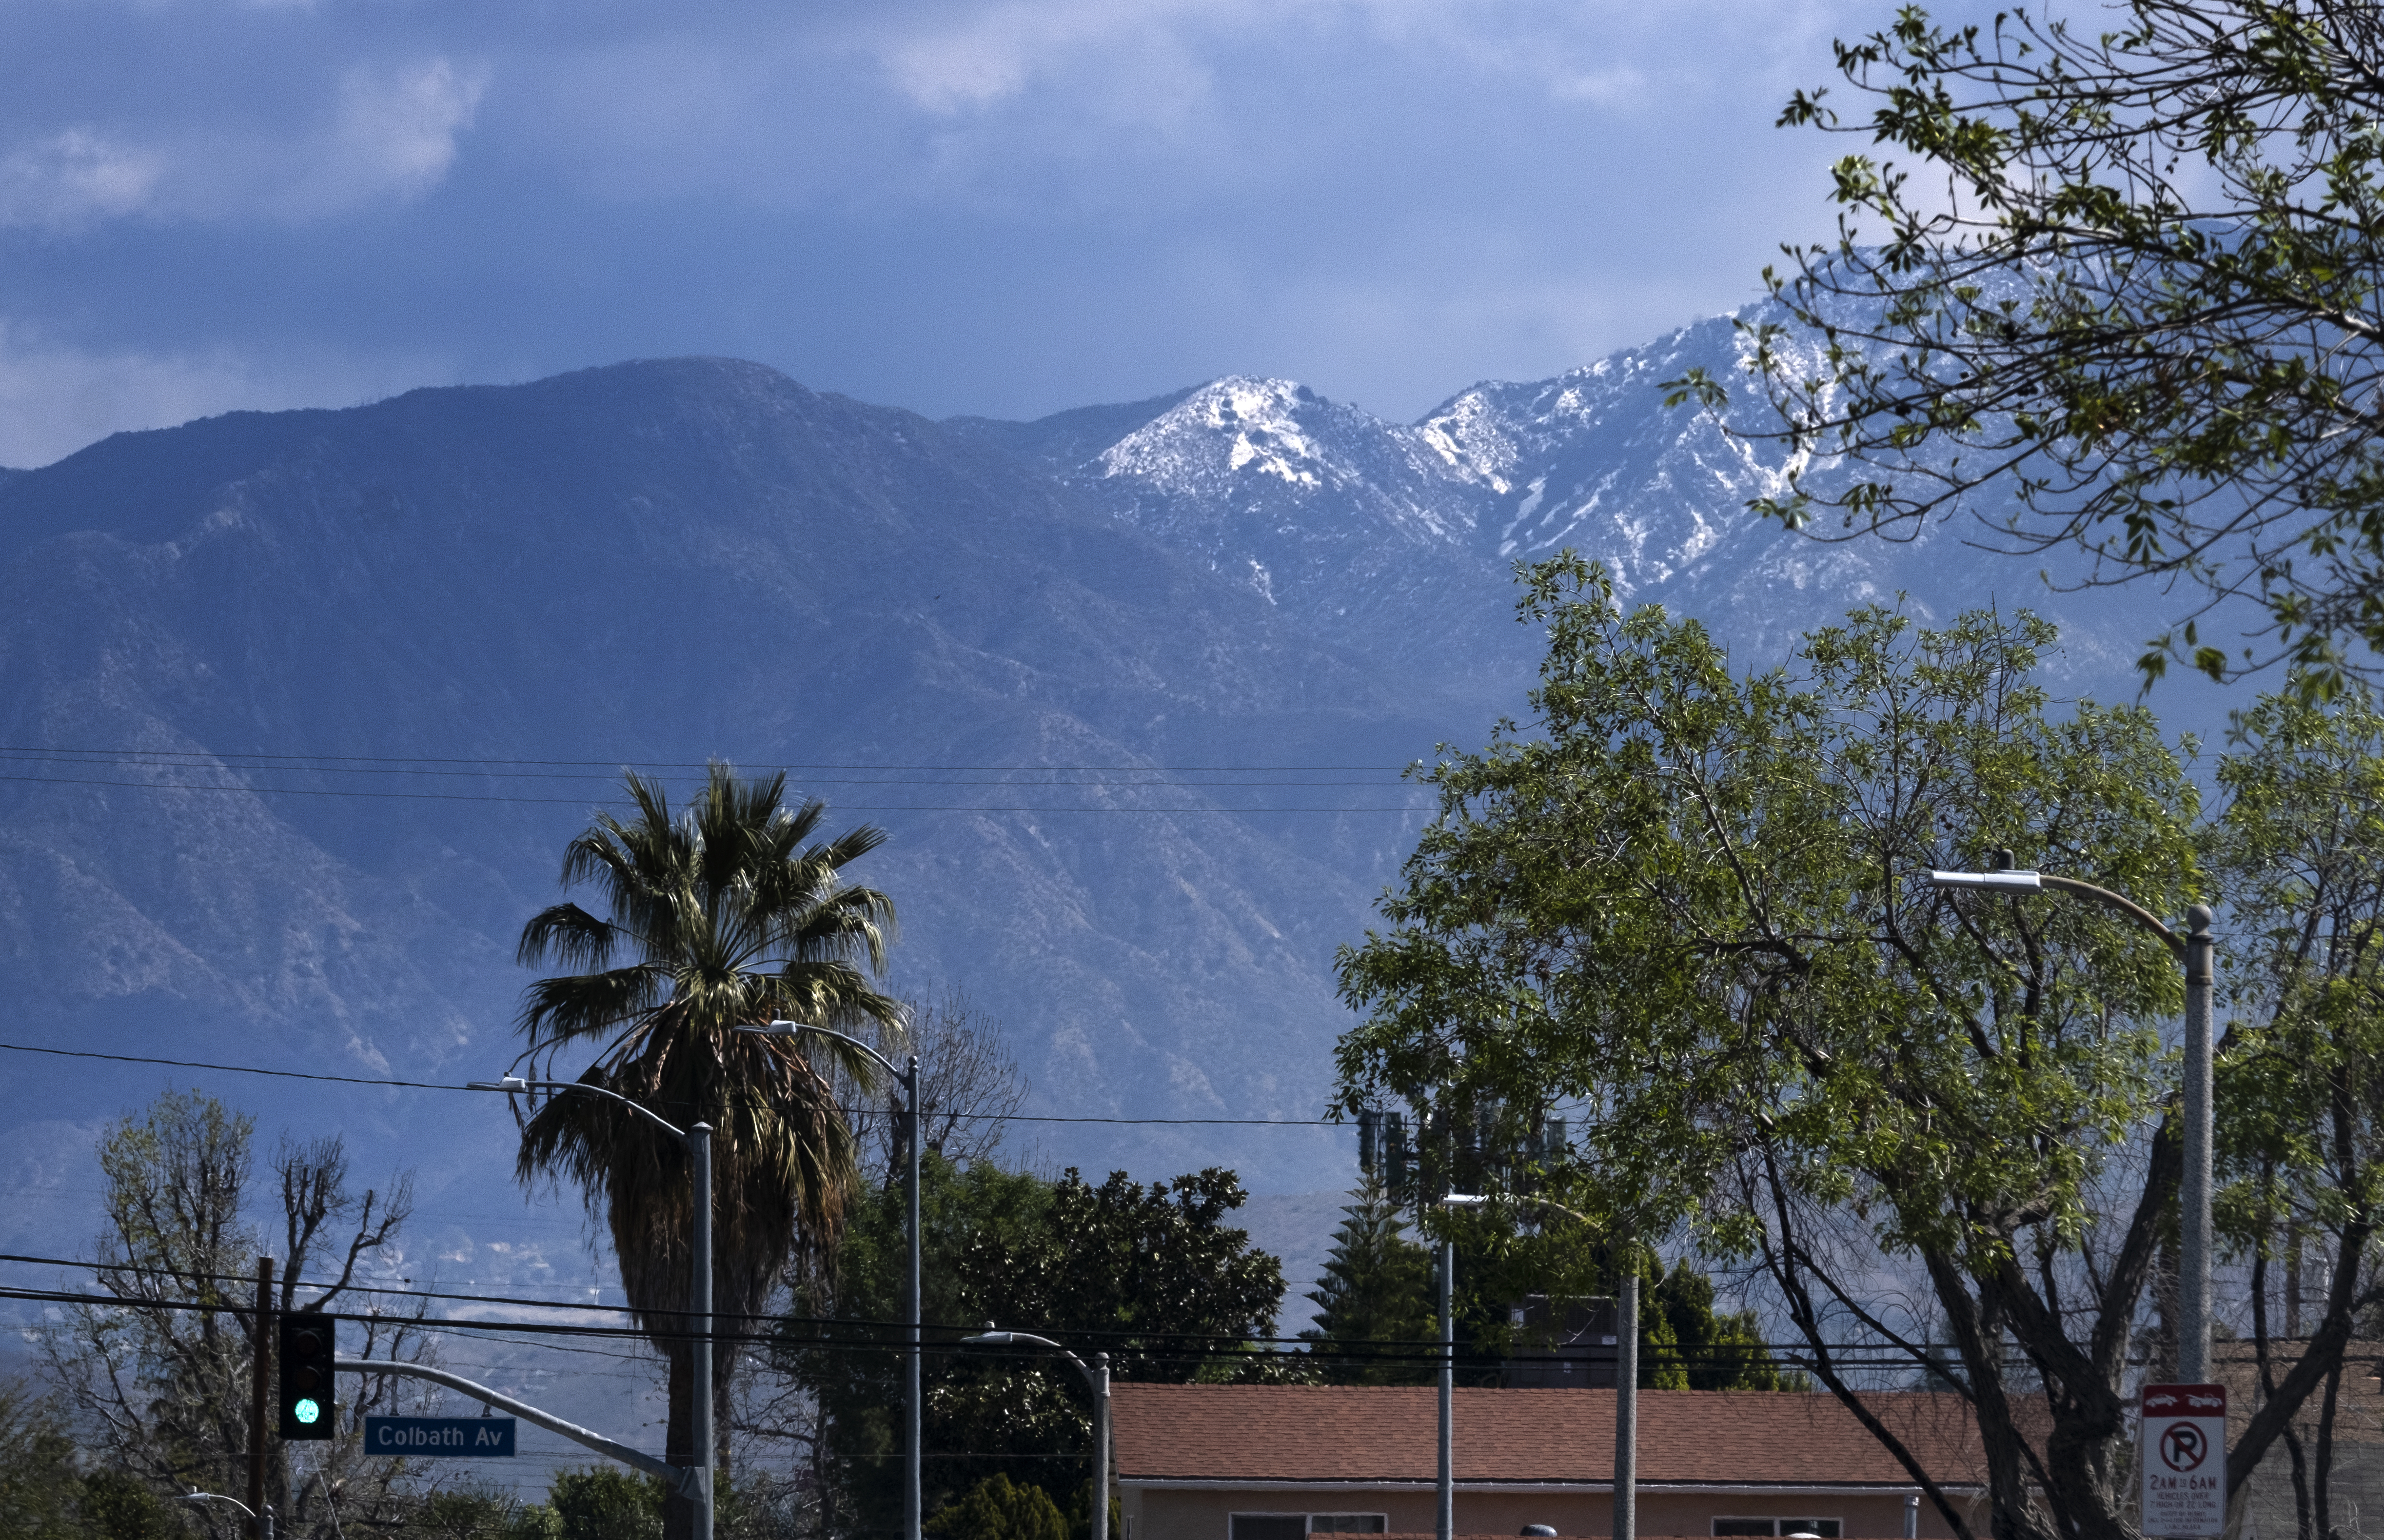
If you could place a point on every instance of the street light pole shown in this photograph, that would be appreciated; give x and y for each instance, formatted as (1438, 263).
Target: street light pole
(2193, 1289)
(1444, 1525)
(1096, 1379)
(914, 1445)
(2196, 950)
(699, 1145)
(1445, 1509)
(697, 1141)
(1626, 1393)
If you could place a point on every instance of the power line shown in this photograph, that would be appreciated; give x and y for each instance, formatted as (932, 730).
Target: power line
(437, 1085)
(616, 766)
(200, 760)
(230, 1069)
(581, 802)
(1421, 1350)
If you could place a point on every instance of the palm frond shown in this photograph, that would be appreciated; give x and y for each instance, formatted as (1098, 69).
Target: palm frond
(580, 1005)
(567, 933)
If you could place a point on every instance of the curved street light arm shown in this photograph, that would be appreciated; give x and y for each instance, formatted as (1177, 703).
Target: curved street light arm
(1015, 1339)
(795, 1029)
(514, 1082)
(2129, 907)
(195, 1495)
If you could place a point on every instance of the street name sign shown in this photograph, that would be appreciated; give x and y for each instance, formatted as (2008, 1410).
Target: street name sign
(453, 1437)
(2184, 1460)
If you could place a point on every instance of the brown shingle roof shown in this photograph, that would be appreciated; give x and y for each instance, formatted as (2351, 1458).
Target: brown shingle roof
(1686, 1437)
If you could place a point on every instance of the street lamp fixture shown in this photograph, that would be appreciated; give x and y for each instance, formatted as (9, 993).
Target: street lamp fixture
(914, 1450)
(2196, 949)
(1097, 1379)
(263, 1520)
(698, 1139)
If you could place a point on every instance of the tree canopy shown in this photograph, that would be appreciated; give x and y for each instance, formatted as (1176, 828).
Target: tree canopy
(2115, 289)
(1681, 907)
(1153, 1275)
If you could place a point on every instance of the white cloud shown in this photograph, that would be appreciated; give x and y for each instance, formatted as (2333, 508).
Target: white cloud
(988, 53)
(396, 132)
(73, 179)
(54, 398)
(390, 134)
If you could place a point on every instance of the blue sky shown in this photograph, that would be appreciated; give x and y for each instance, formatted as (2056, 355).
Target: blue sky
(954, 205)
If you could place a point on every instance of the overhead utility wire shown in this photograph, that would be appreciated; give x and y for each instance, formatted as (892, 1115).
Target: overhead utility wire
(440, 1086)
(617, 766)
(581, 802)
(203, 762)
(1425, 1348)
(1425, 1355)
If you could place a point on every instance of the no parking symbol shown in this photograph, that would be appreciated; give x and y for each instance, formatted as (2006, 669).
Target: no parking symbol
(2184, 1459)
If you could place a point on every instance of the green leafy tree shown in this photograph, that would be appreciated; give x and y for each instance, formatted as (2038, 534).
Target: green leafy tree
(1713, 1351)
(725, 916)
(41, 1478)
(603, 1503)
(117, 1504)
(479, 1512)
(998, 1508)
(2115, 288)
(1683, 901)
(1376, 1308)
(1152, 1274)
(2300, 849)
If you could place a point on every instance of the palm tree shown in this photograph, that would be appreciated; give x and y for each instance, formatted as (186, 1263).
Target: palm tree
(721, 917)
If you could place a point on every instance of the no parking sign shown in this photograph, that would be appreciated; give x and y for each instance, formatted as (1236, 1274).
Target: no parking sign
(2184, 1459)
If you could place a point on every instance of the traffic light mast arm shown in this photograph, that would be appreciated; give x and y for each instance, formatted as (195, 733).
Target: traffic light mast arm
(678, 1476)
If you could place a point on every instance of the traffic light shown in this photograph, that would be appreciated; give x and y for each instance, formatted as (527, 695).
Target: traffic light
(308, 1403)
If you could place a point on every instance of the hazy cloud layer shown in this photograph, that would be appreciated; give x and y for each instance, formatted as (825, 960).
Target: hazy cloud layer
(1005, 206)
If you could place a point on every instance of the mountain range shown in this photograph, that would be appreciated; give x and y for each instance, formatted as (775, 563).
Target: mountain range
(300, 708)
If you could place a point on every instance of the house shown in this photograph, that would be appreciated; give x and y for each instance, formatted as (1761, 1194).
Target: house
(1277, 1462)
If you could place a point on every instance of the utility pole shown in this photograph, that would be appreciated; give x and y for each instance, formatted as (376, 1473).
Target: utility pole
(260, 1396)
(698, 1144)
(913, 1447)
(1626, 1396)
(1445, 1525)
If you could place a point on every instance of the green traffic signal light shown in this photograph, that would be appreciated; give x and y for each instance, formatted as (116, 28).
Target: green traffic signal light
(308, 1401)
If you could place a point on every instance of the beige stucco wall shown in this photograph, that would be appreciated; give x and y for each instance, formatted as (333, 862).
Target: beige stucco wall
(1175, 1514)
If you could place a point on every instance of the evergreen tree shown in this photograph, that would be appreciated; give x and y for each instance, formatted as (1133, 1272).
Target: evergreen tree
(1376, 1292)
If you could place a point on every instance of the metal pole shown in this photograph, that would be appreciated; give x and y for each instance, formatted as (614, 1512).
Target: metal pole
(260, 1396)
(1911, 1518)
(699, 1142)
(2194, 1288)
(1446, 1527)
(914, 1442)
(1626, 1398)
(1100, 1377)
(681, 1477)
